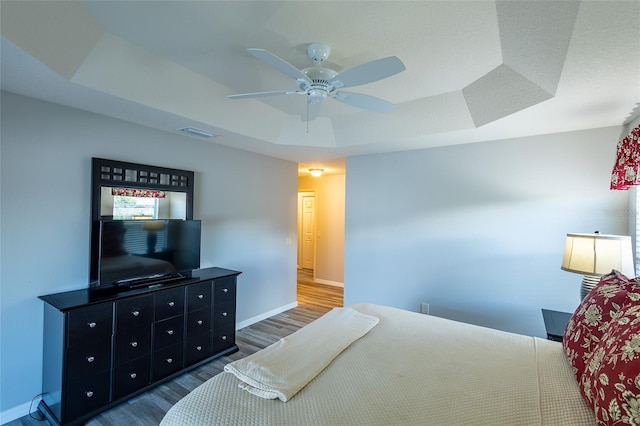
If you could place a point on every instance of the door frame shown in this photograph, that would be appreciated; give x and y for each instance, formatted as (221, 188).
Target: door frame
(301, 193)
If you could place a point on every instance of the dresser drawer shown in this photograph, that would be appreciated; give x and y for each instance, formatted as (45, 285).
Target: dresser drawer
(133, 344)
(89, 359)
(224, 337)
(169, 303)
(135, 312)
(225, 290)
(198, 348)
(198, 296)
(130, 377)
(167, 332)
(167, 361)
(86, 394)
(91, 323)
(224, 313)
(198, 322)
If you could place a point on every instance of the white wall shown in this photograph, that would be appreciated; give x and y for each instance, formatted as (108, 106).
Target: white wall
(247, 204)
(477, 231)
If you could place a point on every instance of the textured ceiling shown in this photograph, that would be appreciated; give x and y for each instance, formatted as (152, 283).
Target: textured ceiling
(475, 71)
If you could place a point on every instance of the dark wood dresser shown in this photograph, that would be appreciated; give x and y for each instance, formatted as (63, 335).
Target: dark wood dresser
(103, 347)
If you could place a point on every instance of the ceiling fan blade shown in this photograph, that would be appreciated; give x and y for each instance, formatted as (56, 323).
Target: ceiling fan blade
(369, 103)
(262, 94)
(368, 72)
(279, 64)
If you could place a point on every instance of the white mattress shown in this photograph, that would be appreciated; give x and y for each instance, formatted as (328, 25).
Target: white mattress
(411, 369)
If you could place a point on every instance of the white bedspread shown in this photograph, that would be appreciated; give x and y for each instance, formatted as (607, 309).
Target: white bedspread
(411, 369)
(282, 369)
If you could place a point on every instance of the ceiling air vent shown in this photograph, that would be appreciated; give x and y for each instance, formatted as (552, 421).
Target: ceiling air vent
(197, 132)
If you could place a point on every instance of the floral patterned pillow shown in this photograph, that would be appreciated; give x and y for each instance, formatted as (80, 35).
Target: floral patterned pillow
(591, 318)
(611, 381)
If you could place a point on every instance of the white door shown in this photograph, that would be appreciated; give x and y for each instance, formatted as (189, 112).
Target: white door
(307, 226)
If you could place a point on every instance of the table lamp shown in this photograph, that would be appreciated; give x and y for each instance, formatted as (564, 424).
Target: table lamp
(594, 255)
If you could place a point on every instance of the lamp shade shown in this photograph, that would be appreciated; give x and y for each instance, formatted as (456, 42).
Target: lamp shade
(598, 254)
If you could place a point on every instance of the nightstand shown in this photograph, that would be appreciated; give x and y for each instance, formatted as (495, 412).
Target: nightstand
(555, 322)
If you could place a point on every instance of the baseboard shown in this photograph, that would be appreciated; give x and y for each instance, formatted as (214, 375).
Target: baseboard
(327, 282)
(258, 318)
(17, 412)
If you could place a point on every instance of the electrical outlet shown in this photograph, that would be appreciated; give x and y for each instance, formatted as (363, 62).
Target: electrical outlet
(424, 308)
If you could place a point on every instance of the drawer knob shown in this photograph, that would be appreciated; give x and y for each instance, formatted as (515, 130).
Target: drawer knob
(199, 322)
(224, 314)
(135, 313)
(90, 359)
(89, 394)
(172, 304)
(134, 344)
(225, 290)
(92, 325)
(169, 360)
(224, 337)
(133, 375)
(170, 332)
(199, 348)
(201, 296)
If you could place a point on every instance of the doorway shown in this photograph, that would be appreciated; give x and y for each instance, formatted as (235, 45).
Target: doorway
(320, 232)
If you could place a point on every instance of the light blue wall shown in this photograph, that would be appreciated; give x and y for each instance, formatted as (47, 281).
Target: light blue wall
(477, 231)
(247, 204)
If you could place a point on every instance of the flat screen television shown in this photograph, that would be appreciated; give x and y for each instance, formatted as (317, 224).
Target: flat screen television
(139, 252)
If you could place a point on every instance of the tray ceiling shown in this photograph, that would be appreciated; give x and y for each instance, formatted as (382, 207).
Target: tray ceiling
(477, 70)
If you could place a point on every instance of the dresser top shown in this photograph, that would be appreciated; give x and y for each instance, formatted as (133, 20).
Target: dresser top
(88, 296)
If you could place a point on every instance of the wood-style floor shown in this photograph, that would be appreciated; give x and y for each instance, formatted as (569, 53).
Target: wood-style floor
(317, 296)
(150, 407)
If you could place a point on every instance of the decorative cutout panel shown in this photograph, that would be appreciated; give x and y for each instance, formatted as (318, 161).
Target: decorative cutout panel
(139, 174)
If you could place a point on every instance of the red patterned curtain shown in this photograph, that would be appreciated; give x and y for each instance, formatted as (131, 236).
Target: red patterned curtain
(142, 193)
(626, 171)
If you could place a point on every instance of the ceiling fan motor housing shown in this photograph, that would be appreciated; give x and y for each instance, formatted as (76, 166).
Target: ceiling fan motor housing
(320, 75)
(320, 83)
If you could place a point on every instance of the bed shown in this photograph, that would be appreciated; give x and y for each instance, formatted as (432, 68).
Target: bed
(409, 368)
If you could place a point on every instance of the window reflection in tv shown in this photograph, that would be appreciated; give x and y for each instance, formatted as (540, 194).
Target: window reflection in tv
(132, 250)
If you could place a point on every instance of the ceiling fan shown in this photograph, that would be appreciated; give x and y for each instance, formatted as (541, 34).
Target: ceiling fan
(319, 83)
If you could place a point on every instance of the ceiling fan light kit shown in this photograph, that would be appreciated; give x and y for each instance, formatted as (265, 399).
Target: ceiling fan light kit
(319, 83)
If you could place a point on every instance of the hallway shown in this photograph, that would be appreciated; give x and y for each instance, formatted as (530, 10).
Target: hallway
(317, 296)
